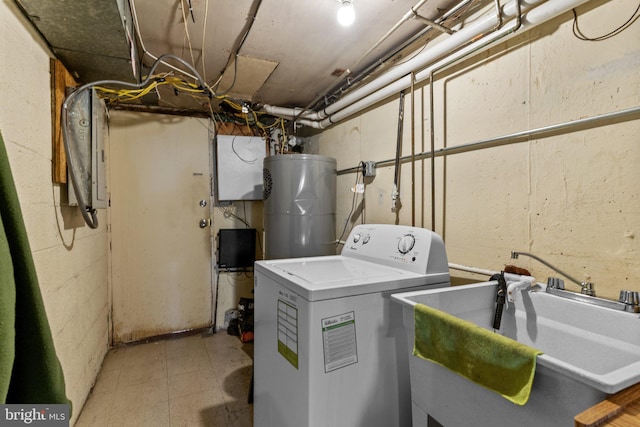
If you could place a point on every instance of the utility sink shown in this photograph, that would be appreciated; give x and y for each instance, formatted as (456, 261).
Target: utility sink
(589, 352)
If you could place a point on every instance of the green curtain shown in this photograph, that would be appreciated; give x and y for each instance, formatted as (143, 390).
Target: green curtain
(30, 371)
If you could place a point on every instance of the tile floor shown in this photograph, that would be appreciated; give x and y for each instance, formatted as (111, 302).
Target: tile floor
(197, 380)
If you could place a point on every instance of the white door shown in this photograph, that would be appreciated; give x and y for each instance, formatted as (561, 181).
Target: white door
(161, 257)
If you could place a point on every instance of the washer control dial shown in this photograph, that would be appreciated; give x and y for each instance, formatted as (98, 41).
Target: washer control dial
(356, 238)
(406, 243)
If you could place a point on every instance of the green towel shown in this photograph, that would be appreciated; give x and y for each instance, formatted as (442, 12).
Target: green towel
(30, 371)
(498, 363)
(7, 315)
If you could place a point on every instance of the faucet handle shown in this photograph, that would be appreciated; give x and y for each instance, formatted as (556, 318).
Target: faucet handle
(555, 283)
(630, 299)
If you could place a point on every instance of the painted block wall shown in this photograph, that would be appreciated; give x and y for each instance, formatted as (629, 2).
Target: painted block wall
(70, 258)
(572, 198)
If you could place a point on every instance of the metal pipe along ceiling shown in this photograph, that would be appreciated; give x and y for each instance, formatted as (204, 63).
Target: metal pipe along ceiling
(399, 78)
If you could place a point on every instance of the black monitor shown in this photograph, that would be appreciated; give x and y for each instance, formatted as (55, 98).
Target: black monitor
(236, 248)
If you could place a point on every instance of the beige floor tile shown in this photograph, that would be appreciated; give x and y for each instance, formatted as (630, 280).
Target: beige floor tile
(198, 408)
(191, 382)
(188, 363)
(228, 368)
(184, 344)
(235, 384)
(145, 353)
(143, 372)
(114, 360)
(223, 344)
(230, 356)
(107, 381)
(196, 349)
(219, 421)
(95, 412)
(231, 351)
(240, 417)
(128, 398)
(200, 380)
(156, 415)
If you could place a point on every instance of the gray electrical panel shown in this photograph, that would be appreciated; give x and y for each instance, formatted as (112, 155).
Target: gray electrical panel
(87, 132)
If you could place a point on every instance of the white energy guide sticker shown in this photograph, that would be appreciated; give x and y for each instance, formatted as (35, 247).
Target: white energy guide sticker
(339, 341)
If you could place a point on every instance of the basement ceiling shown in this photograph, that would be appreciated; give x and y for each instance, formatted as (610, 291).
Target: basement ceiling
(290, 53)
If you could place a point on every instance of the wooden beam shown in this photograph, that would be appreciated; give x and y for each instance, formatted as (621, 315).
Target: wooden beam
(227, 128)
(224, 128)
(60, 80)
(123, 106)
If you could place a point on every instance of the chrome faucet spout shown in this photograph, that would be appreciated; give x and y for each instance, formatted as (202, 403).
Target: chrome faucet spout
(586, 287)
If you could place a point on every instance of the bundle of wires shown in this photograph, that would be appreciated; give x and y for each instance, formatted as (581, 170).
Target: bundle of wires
(124, 95)
(132, 91)
(239, 109)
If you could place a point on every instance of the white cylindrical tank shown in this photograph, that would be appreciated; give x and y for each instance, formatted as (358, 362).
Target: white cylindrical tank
(299, 205)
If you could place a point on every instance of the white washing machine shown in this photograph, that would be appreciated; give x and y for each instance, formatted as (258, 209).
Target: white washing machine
(330, 345)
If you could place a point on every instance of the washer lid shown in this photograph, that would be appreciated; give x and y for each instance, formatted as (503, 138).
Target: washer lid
(325, 277)
(320, 272)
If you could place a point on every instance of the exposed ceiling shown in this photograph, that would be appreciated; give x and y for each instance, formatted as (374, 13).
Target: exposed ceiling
(290, 53)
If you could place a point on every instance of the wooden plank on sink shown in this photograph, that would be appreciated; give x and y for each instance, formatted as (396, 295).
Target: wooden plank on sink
(619, 410)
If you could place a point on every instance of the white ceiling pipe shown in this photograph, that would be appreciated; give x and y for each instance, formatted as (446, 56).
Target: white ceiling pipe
(476, 28)
(290, 113)
(537, 16)
(400, 84)
(482, 25)
(410, 14)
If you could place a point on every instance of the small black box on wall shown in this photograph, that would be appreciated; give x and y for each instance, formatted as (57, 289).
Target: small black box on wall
(236, 248)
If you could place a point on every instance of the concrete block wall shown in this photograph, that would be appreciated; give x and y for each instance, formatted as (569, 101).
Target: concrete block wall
(571, 198)
(70, 258)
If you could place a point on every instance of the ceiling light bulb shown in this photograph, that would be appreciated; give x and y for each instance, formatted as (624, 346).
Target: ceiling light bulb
(346, 14)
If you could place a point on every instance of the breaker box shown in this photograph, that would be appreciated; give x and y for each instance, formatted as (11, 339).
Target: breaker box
(87, 132)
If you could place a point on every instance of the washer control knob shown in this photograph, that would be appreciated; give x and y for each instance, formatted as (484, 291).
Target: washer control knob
(406, 243)
(356, 238)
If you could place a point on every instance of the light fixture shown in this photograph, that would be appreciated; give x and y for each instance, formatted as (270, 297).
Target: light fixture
(346, 14)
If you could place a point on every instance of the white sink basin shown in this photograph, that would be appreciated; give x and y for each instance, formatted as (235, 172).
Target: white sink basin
(589, 352)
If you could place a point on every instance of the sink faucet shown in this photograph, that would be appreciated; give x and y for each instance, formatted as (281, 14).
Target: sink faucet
(500, 298)
(586, 287)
